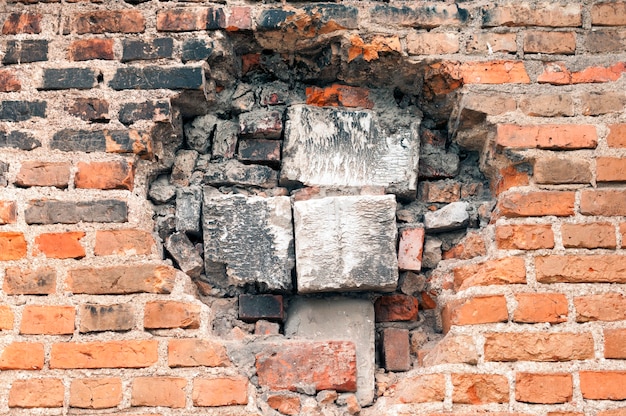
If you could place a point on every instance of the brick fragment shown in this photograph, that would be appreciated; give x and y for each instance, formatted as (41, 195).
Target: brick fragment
(194, 352)
(146, 278)
(109, 21)
(473, 245)
(25, 51)
(67, 78)
(428, 43)
(593, 235)
(439, 191)
(603, 385)
(62, 212)
(142, 50)
(536, 204)
(554, 171)
(479, 388)
(87, 49)
(17, 23)
(159, 391)
(421, 389)
(255, 307)
(555, 136)
(606, 202)
(48, 320)
(473, 311)
(90, 109)
(8, 212)
(12, 110)
(6, 317)
(615, 343)
(607, 307)
(524, 236)
(40, 392)
(580, 269)
(40, 281)
(105, 175)
(390, 308)
(410, 249)
(284, 403)
(123, 242)
(114, 317)
(96, 393)
(156, 77)
(508, 270)
(12, 246)
(261, 124)
(9, 82)
(550, 42)
(396, 354)
(540, 307)
(258, 150)
(538, 346)
(220, 391)
(107, 354)
(543, 388)
(22, 356)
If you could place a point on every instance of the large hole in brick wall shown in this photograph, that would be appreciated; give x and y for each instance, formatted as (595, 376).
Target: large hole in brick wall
(318, 196)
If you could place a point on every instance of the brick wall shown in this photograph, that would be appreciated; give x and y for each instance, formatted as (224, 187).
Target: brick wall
(494, 292)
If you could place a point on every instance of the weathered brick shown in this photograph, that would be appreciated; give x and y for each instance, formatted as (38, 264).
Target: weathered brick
(8, 212)
(396, 353)
(607, 202)
(550, 42)
(556, 171)
(608, 13)
(114, 317)
(538, 346)
(137, 50)
(39, 392)
(488, 42)
(610, 169)
(617, 135)
(536, 204)
(159, 391)
(60, 245)
(191, 19)
(603, 385)
(527, 14)
(170, 314)
(86, 49)
(615, 343)
(580, 269)
(6, 317)
(196, 50)
(104, 354)
(110, 141)
(96, 393)
(123, 242)
(17, 23)
(605, 41)
(491, 72)
(261, 124)
(9, 82)
(508, 270)
(18, 140)
(25, 51)
(371, 51)
(452, 349)
(556, 73)
(22, 356)
(109, 21)
(439, 191)
(220, 391)
(156, 77)
(48, 320)
(140, 278)
(12, 245)
(258, 150)
(239, 19)
(428, 43)
(554, 136)
(286, 404)
(426, 16)
(62, 212)
(479, 388)
(524, 237)
(473, 245)
(321, 365)
(543, 388)
(22, 110)
(473, 311)
(421, 389)
(410, 249)
(40, 281)
(338, 95)
(540, 307)
(105, 175)
(67, 78)
(593, 235)
(607, 307)
(548, 105)
(390, 308)
(188, 211)
(599, 103)
(90, 109)
(255, 307)
(194, 352)
(150, 110)
(510, 177)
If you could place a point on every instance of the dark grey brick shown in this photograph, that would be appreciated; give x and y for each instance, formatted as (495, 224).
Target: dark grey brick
(196, 50)
(155, 77)
(21, 52)
(73, 212)
(255, 307)
(22, 110)
(18, 140)
(135, 50)
(66, 78)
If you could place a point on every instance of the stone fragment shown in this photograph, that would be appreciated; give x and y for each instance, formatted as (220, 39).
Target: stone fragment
(161, 191)
(188, 209)
(243, 100)
(333, 147)
(255, 307)
(225, 139)
(232, 172)
(248, 240)
(339, 319)
(346, 243)
(184, 164)
(185, 254)
(261, 124)
(199, 132)
(432, 252)
(451, 217)
(284, 403)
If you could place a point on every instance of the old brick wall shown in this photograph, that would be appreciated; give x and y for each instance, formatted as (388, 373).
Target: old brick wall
(521, 285)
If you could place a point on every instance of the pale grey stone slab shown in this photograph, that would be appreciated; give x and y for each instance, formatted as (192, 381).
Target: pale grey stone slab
(451, 217)
(346, 243)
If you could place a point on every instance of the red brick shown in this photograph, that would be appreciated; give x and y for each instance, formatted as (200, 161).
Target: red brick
(396, 354)
(581, 269)
(606, 202)
(599, 74)
(440, 191)
(594, 235)
(240, 19)
(538, 346)
(617, 135)
(159, 391)
(190, 19)
(61, 245)
(55, 174)
(22, 356)
(528, 14)
(550, 42)
(8, 212)
(170, 314)
(284, 403)
(140, 278)
(524, 237)
(510, 177)
(9, 82)
(390, 308)
(479, 388)
(557, 171)
(6, 317)
(547, 105)
(193, 352)
(473, 311)
(40, 392)
(493, 72)
(488, 42)
(607, 307)
(615, 343)
(609, 13)
(603, 385)
(421, 389)
(96, 393)
(429, 43)
(547, 136)
(12, 246)
(543, 388)
(86, 49)
(610, 169)
(536, 204)
(508, 270)
(473, 245)
(321, 365)
(48, 320)
(410, 249)
(114, 21)
(123, 242)
(105, 175)
(22, 23)
(112, 317)
(107, 354)
(220, 391)
(540, 307)
(338, 95)
(29, 282)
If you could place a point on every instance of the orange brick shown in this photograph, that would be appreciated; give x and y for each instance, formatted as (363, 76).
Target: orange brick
(390, 308)
(524, 236)
(581, 269)
(540, 307)
(598, 235)
(452, 349)
(9, 82)
(557, 73)
(609, 13)
(536, 204)
(510, 177)
(538, 346)
(487, 42)
(22, 356)
(122, 279)
(607, 202)
(40, 392)
(547, 136)
(494, 72)
(284, 403)
(61, 245)
(615, 343)
(440, 191)
(196, 352)
(508, 270)
(48, 320)
(8, 212)
(612, 412)
(190, 19)
(421, 389)
(339, 95)
(610, 169)
(550, 42)
(12, 246)
(479, 388)
(220, 391)
(29, 282)
(123, 242)
(108, 354)
(617, 135)
(6, 317)
(105, 175)
(86, 49)
(22, 23)
(472, 245)
(170, 314)
(607, 307)
(543, 388)
(56, 174)
(159, 391)
(96, 393)
(476, 310)
(110, 21)
(603, 385)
